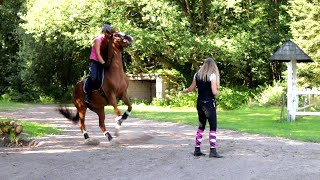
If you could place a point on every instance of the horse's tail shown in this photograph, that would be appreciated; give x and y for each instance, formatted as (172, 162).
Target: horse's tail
(69, 114)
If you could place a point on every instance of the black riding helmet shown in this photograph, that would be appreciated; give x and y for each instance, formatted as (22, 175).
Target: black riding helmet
(106, 28)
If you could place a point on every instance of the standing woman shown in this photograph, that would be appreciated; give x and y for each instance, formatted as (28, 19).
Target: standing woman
(207, 80)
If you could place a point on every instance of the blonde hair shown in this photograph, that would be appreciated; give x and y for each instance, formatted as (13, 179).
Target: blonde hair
(209, 67)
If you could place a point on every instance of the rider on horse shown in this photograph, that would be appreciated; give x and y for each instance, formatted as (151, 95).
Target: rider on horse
(97, 63)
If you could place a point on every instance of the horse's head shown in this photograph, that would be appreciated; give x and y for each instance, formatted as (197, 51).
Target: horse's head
(122, 39)
(114, 44)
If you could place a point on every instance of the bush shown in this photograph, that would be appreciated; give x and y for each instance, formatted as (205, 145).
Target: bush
(232, 98)
(177, 99)
(228, 98)
(270, 94)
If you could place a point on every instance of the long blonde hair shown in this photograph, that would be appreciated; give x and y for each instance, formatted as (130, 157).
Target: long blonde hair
(209, 67)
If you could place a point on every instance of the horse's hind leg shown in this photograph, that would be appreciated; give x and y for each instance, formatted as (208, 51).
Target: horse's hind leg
(82, 125)
(101, 114)
(82, 109)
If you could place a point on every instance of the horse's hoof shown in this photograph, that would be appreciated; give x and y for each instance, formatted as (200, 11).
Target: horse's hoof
(86, 136)
(109, 136)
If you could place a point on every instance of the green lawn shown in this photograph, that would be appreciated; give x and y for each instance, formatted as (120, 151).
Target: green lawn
(10, 106)
(33, 129)
(257, 120)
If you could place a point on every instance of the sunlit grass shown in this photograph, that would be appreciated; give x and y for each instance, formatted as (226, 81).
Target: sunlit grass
(35, 129)
(10, 106)
(257, 120)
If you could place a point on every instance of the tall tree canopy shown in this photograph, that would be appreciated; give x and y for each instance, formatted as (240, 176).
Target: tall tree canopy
(305, 28)
(171, 37)
(9, 45)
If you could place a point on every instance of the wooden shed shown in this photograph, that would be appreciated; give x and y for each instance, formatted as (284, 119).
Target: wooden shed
(147, 86)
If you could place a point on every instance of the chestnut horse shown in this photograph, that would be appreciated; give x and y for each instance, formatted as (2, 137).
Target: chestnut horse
(114, 87)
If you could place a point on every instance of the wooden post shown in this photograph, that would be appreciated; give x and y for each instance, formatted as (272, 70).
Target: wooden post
(289, 91)
(292, 97)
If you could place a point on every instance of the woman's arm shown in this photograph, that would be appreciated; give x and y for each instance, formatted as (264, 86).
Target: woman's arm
(192, 87)
(214, 85)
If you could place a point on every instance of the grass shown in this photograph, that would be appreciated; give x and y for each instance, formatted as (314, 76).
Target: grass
(10, 106)
(33, 129)
(256, 120)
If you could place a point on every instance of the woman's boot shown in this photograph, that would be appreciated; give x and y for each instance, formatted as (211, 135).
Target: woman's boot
(213, 153)
(197, 152)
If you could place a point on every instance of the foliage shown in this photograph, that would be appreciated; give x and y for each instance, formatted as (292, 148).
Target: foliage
(232, 98)
(271, 94)
(177, 99)
(9, 44)
(305, 29)
(169, 35)
(228, 98)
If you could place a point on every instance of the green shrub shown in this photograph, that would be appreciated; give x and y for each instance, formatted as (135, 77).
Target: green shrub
(6, 97)
(177, 99)
(270, 94)
(46, 99)
(228, 98)
(232, 98)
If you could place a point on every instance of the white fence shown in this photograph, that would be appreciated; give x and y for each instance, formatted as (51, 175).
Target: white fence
(310, 98)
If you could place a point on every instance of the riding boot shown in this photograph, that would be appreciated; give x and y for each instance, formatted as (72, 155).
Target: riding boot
(213, 153)
(197, 152)
(88, 98)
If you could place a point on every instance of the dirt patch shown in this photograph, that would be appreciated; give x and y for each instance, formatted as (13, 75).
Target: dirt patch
(152, 150)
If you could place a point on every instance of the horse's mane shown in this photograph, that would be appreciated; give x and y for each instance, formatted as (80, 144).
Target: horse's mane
(107, 48)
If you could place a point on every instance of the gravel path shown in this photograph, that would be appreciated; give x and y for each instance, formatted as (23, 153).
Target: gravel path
(152, 150)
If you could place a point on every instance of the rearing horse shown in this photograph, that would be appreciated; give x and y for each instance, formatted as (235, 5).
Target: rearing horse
(115, 84)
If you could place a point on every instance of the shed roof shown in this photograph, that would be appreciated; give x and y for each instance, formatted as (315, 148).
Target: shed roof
(290, 51)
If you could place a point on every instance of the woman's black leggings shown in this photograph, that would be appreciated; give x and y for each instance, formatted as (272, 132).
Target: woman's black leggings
(207, 111)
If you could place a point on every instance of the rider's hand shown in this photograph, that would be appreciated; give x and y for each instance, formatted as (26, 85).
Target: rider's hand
(105, 65)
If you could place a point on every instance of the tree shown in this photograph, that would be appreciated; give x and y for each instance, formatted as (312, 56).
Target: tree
(306, 32)
(57, 43)
(170, 36)
(179, 34)
(9, 43)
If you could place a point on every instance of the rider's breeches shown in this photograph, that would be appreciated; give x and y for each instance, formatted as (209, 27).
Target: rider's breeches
(94, 70)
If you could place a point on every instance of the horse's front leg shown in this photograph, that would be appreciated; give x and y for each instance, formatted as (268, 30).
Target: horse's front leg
(125, 115)
(118, 118)
(101, 114)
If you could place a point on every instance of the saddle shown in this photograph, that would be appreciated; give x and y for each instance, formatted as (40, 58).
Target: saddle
(96, 86)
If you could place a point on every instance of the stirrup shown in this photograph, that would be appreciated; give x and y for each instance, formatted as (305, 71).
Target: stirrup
(87, 99)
